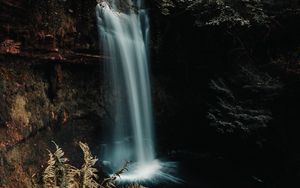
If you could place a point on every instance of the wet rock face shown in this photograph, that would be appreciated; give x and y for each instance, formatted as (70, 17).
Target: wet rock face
(32, 114)
(49, 25)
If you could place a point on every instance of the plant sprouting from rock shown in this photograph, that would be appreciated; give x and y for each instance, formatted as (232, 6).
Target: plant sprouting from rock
(109, 182)
(60, 174)
(88, 172)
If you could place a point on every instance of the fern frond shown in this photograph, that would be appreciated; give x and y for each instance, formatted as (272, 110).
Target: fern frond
(109, 182)
(49, 176)
(59, 153)
(88, 172)
(122, 170)
(72, 177)
(58, 173)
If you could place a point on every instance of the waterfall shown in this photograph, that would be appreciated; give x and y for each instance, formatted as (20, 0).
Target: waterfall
(124, 39)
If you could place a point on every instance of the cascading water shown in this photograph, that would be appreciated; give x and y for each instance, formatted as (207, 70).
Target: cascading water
(124, 39)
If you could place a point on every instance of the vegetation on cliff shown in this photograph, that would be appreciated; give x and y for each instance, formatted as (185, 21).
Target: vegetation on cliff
(59, 173)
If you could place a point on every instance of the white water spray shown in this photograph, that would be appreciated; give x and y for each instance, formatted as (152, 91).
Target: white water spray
(124, 39)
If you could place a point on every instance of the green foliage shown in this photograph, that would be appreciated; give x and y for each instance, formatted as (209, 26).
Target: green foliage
(165, 6)
(228, 13)
(223, 15)
(255, 11)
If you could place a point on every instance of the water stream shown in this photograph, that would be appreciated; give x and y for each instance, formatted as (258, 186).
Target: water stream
(124, 39)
